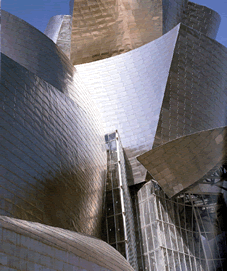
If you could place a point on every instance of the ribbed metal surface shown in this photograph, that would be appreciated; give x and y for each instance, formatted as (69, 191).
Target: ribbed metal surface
(129, 90)
(202, 19)
(32, 246)
(181, 162)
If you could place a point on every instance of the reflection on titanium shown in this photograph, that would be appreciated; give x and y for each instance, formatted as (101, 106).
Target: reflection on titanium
(152, 72)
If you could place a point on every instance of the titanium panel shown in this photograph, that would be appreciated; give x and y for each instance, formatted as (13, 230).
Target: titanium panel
(33, 246)
(101, 29)
(202, 19)
(196, 93)
(180, 163)
(129, 90)
(52, 152)
(59, 30)
(173, 13)
(53, 27)
(35, 51)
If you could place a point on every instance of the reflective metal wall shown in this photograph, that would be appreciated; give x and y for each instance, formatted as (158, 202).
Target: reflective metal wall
(202, 19)
(101, 29)
(195, 97)
(59, 30)
(182, 162)
(33, 246)
(53, 154)
(129, 90)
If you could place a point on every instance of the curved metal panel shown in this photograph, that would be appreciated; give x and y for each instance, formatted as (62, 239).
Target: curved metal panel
(173, 13)
(202, 19)
(52, 152)
(35, 51)
(53, 27)
(101, 29)
(180, 163)
(195, 97)
(55, 249)
(59, 30)
(129, 90)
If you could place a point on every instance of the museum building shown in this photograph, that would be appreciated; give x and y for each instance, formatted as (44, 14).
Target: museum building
(113, 139)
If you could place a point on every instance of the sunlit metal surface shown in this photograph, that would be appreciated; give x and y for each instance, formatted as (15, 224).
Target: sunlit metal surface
(59, 30)
(52, 146)
(195, 97)
(33, 246)
(102, 29)
(129, 90)
(202, 19)
(181, 162)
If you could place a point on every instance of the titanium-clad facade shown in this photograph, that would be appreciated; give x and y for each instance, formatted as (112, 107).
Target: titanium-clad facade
(34, 246)
(152, 72)
(129, 89)
(180, 163)
(49, 157)
(123, 25)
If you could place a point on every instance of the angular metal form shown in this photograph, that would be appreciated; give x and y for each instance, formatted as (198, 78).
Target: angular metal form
(129, 89)
(180, 163)
(160, 83)
(195, 97)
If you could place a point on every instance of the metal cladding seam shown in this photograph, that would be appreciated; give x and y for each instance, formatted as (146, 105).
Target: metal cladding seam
(53, 141)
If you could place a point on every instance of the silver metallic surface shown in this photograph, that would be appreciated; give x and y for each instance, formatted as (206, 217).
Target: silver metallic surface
(129, 90)
(32, 246)
(52, 142)
(195, 97)
(53, 27)
(35, 51)
(59, 30)
(180, 163)
(101, 29)
(202, 19)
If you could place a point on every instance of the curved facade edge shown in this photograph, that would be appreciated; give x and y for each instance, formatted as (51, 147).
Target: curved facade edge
(35, 51)
(63, 249)
(129, 90)
(104, 30)
(53, 27)
(52, 152)
(195, 96)
(59, 29)
(180, 163)
(202, 19)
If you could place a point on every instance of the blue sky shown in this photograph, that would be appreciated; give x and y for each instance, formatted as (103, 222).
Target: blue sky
(38, 12)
